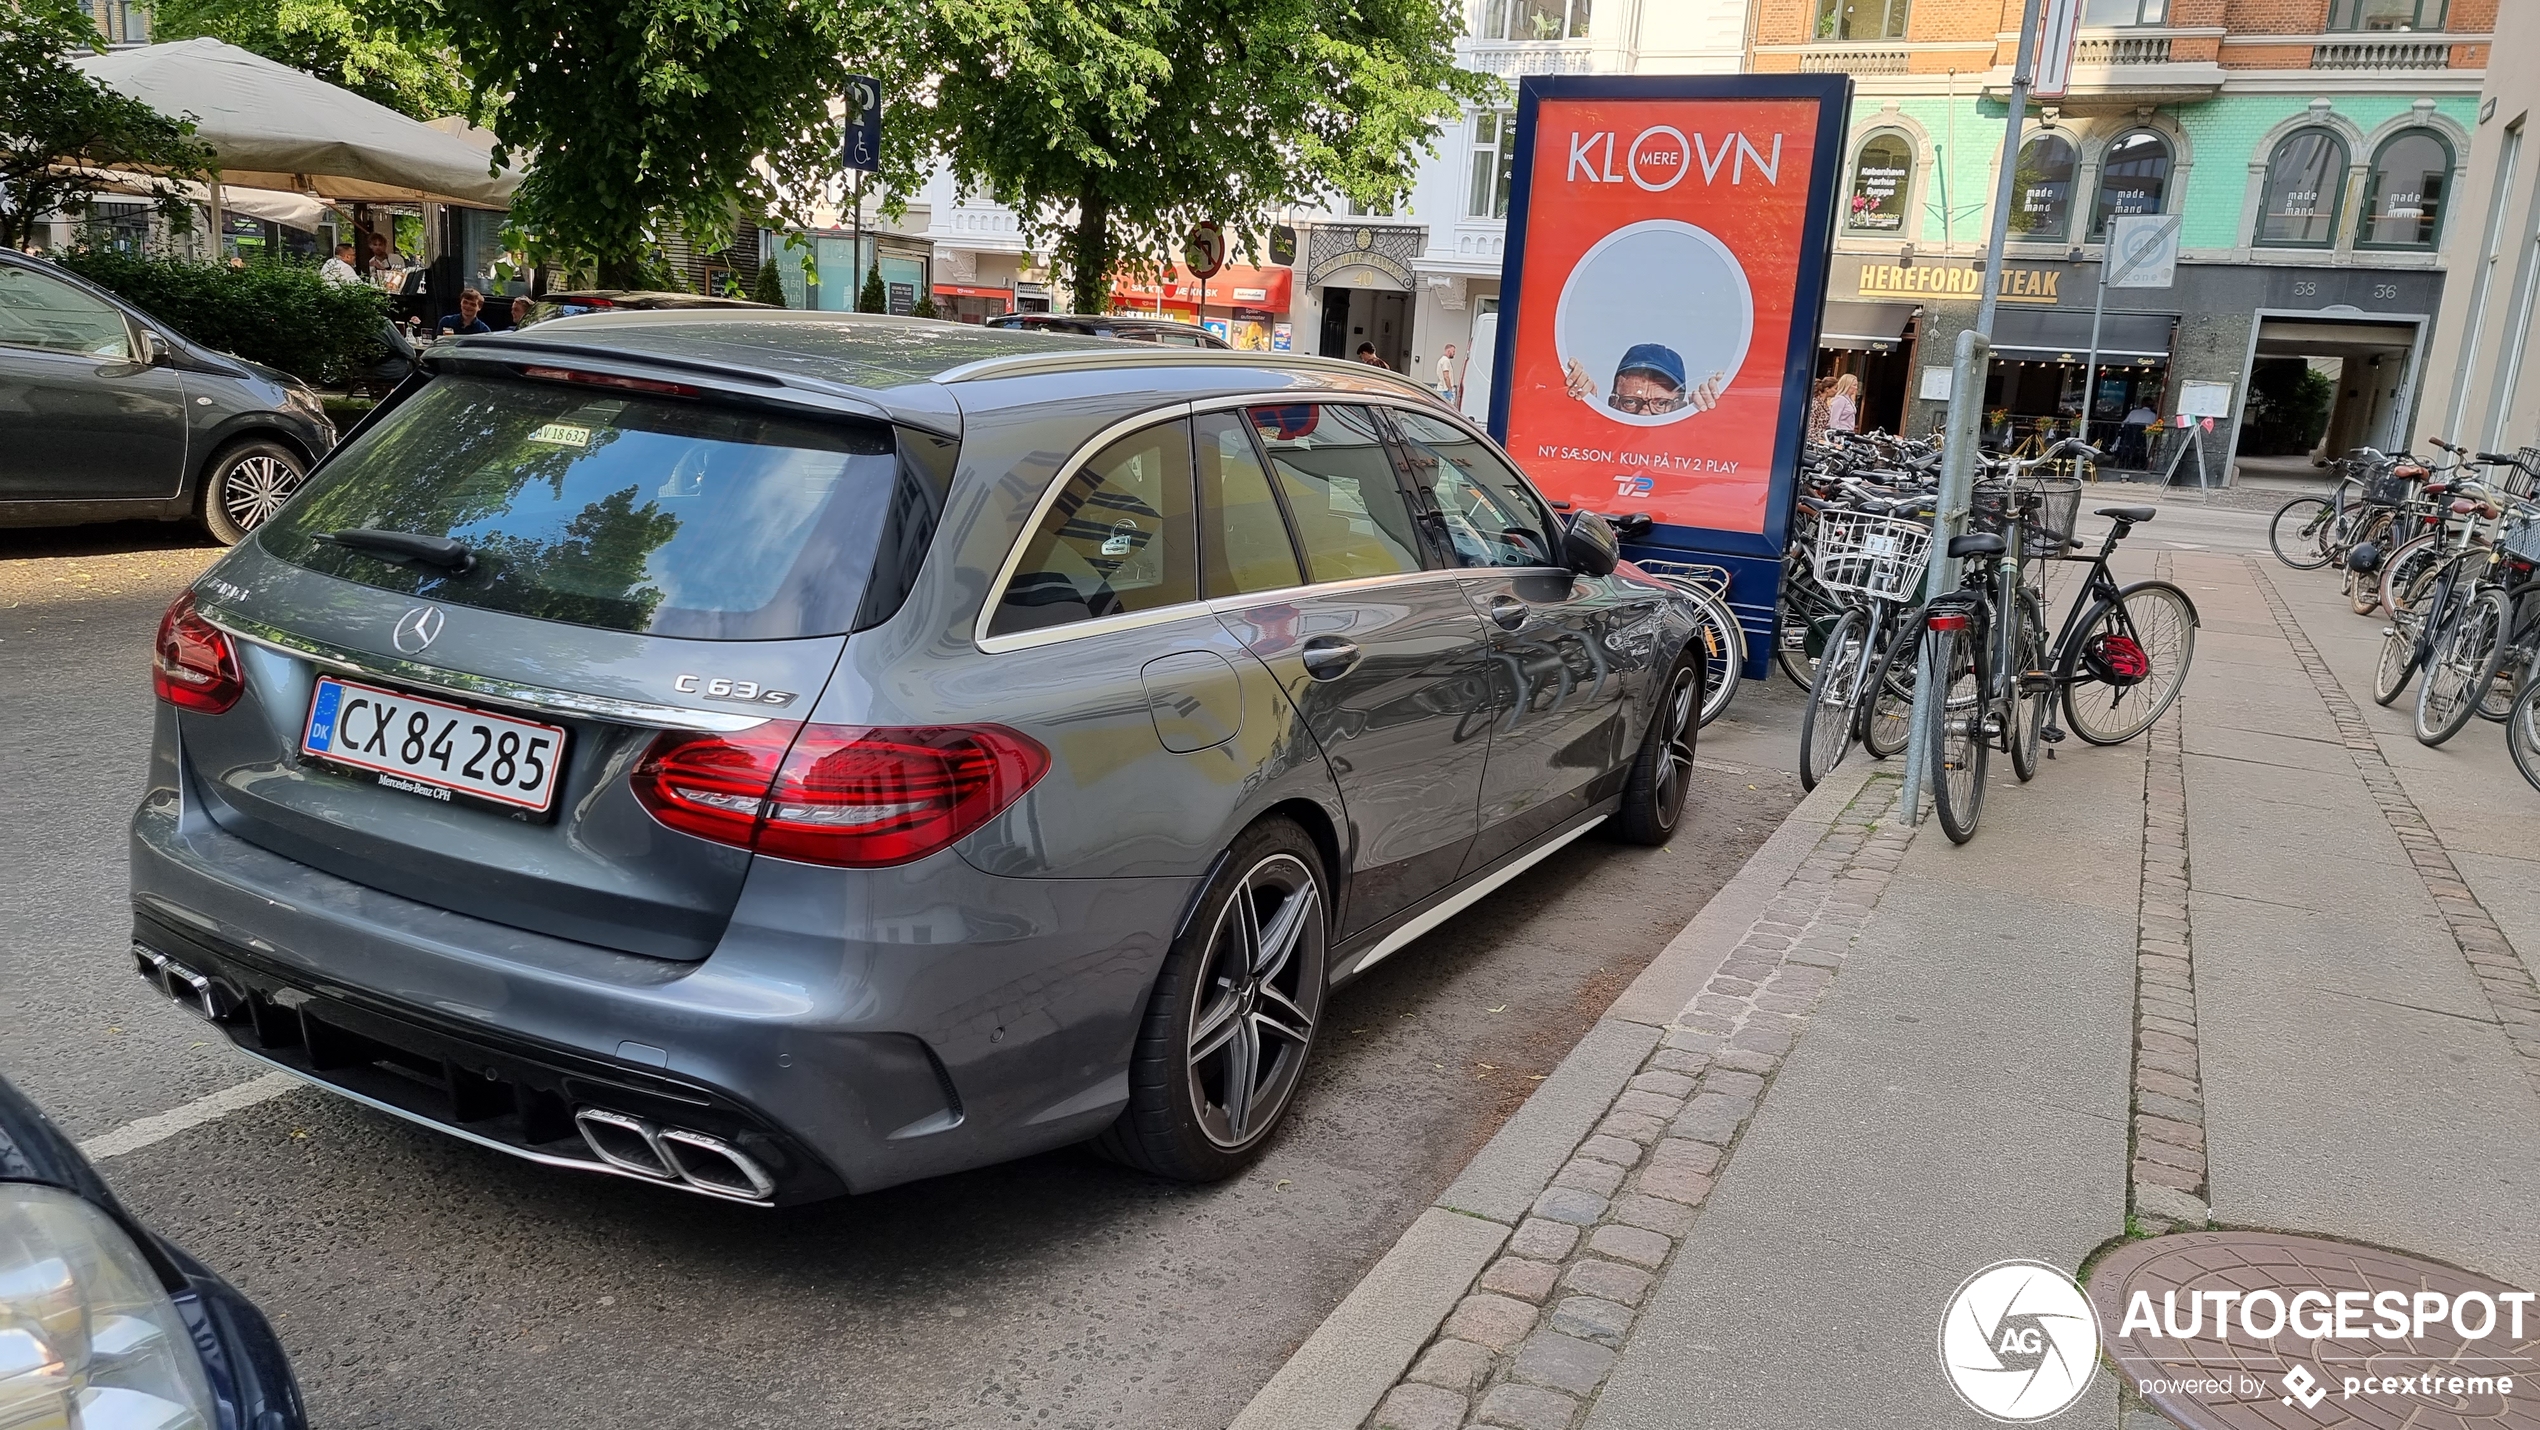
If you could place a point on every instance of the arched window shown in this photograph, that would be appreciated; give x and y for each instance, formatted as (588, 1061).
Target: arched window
(2134, 178)
(2306, 179)
(1882, 173)
(2403, 204)
(2042, 208)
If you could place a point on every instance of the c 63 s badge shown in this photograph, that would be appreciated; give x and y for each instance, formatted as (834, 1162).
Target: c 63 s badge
(739, 692)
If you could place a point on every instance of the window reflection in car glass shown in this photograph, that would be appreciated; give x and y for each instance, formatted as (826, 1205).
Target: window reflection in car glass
(1351, 517)
(1244, 538)
(1118, 540)
(1491, 519)
(41, 312)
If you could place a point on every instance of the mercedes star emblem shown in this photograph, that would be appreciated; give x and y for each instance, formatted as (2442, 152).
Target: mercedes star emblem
(417, 629)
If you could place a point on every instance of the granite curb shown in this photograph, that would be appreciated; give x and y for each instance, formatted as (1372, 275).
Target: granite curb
(1365, 1347)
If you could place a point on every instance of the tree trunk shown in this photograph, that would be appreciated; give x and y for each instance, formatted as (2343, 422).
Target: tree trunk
(1089, 255)
(624, 270)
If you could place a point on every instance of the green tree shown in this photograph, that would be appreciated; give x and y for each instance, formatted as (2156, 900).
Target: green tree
(769, 286)
(1111, 125)
(642, 116)
(52, 114)
(924, 307)
(409, 68)
(870, 298)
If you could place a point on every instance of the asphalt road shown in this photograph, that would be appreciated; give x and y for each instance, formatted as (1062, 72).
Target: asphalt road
(421, 1282)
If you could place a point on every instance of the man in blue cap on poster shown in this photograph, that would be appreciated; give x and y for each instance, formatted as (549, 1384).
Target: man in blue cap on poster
(1648, 382)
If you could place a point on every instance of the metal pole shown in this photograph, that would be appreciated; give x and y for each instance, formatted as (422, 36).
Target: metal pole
(2098, 307)
(1957, 490)
(2010, 179)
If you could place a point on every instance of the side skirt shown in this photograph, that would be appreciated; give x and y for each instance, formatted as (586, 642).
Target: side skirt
(1378, 944)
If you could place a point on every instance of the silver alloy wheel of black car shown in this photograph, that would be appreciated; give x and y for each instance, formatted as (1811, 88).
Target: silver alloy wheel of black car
(248, 483)
(1678, 718)
(1260, 988)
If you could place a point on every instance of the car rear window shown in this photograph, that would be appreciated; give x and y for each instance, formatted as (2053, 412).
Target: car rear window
(611, 509)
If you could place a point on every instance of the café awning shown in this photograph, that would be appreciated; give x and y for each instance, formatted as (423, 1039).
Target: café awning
(2063, 335)
(273, 127)
(1872, 327)
(300, 211)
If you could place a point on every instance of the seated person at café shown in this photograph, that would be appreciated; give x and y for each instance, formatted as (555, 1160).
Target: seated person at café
(465, 320)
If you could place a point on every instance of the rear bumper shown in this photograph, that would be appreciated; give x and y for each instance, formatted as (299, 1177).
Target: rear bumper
(853, 1030)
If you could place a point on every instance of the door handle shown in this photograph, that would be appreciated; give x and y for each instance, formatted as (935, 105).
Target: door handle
(1330, 657)
(1508, 611)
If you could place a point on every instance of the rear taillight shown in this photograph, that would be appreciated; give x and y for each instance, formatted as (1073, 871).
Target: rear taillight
(845, 795)
(194, 666)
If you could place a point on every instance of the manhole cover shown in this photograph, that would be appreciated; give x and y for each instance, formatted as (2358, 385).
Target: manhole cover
(2223, 1329)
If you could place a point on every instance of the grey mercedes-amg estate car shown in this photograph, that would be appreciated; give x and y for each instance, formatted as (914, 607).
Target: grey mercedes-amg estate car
(778, 754)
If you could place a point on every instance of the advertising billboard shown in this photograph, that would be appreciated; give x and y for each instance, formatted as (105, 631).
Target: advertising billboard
(1668, 245)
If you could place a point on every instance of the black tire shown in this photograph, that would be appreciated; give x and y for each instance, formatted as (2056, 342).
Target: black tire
(1800, 628)
(245, 484)
(2522, 732)
(1890, 721)
(1222, 970)
(2160, 619)
(2298, 533)
(1959, 755)
(2399, 584)
(2462, 665)
(2400, 657)
(1654, 793)
(1833, 716)
(2027, 735)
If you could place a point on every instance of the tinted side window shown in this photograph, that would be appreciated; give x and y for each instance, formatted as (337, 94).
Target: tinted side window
(1351, 517)
(1491, 519)
(37, 311)
(1243, 538)
(1118, 540)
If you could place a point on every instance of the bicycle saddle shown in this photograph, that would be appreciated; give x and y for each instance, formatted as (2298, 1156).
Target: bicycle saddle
(2137, 514)
(1976, 543)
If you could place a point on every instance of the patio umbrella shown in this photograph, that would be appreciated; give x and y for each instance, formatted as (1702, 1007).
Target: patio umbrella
(272, 127)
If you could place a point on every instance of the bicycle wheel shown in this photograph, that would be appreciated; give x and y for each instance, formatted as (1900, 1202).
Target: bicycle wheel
(2496, 697)
(2028, 710)
(1958, 756)
(2522, 732)
(1890, 721)
(2127, 662)
(1826, 732)
(2298, 533)
(2398, 664)
(1723, 647)
(2400, 571)
(2466, 653)
(1800, 629)
(2405, 646)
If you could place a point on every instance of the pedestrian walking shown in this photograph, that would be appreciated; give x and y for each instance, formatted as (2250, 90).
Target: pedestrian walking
(1843, 410)
(1446, 373)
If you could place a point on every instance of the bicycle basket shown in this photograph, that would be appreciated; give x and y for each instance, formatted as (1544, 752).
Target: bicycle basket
(1881, 557)
(2521, 537)
(2389, 488)
(2049, 522)
(1714, 579)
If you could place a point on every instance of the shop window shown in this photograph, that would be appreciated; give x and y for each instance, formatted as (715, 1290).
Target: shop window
(2125, 12)
(2386, 14)
(2042, 206)
(1494, 160)
(2134, 178)
(1536, 19)
(2403, 200)
(1861, 19)
(1881, 174)
(2306, 178)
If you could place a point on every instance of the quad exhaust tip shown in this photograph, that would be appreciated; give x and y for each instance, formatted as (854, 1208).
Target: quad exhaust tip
(697, 1161)
(187, 988)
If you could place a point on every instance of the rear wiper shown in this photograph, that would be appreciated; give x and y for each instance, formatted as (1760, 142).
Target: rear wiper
(405, 547)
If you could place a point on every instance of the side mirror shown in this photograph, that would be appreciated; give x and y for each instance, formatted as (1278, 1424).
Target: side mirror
(1589, 546)
(154, 350)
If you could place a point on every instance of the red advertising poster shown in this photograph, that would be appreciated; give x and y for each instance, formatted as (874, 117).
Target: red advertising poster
(1666, 249)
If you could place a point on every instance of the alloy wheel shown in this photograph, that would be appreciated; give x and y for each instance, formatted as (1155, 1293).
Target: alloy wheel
(255, 487)
(1260, 989)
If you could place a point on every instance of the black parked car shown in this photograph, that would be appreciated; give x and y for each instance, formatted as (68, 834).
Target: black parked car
(106, 414)
(1127, 327)
(102, 1323)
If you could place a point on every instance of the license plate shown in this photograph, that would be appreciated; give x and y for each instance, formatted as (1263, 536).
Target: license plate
(433, 748)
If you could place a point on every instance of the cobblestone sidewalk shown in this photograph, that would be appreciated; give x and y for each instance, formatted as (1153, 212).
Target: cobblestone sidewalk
(1547, 1320)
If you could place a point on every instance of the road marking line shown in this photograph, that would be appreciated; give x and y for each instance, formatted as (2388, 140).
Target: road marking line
(159, 1127)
